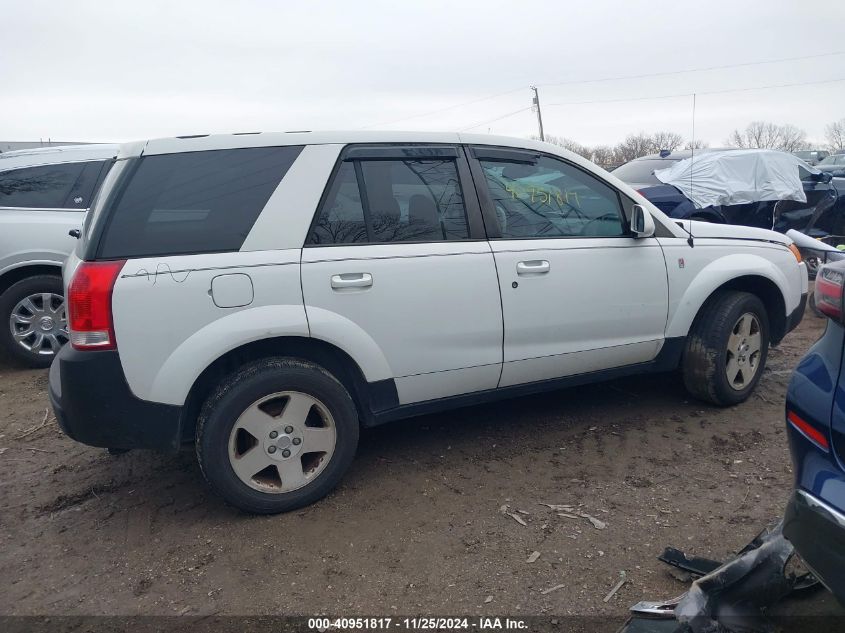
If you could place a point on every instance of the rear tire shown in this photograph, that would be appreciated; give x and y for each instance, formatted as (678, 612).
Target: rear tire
(727, 348)
(277, 435)
(34, 308)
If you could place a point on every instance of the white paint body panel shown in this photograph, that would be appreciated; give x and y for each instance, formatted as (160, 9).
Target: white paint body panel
(598, 294)
(714, 262)
(431, 308)
(169, 330)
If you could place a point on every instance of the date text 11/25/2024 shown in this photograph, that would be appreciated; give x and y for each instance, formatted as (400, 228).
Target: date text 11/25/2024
(416, 624)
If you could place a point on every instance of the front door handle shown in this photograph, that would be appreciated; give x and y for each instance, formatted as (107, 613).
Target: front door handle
(533, 267)
(352, 280)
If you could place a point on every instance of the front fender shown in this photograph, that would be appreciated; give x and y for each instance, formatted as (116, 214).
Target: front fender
(716, 274)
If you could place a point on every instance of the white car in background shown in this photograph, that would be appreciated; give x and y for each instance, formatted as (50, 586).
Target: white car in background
(262, 296)
(44, 194)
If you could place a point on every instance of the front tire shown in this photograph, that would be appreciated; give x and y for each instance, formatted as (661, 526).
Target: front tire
(727, 348)
(277, 435)
(34, 320)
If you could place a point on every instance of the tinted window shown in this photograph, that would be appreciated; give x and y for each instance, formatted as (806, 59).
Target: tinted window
(551, 198)
(193, 202)
(45, 187)
(642, 171)
(82, 193)
(401, 201)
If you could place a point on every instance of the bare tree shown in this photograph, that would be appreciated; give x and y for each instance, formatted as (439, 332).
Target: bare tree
(634, 146)
(572, 146)
(766, 135)
(603, 155)
(666, 140)
(697, 144)
(834, 134)
(792, 139)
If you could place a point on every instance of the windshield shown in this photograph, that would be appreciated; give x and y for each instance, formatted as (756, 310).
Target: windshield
(833, 160)
(805, 155)
(642, 171)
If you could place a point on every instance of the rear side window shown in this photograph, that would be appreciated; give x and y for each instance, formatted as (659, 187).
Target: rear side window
(193, 202)
(62, 186)
(378, 201)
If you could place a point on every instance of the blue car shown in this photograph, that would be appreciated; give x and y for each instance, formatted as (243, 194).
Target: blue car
(815, 419)
(823, 213)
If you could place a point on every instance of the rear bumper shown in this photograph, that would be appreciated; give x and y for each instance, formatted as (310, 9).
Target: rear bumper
(817, 531)
(94, 405)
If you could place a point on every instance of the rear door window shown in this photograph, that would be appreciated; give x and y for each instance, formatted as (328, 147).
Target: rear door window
(44, 187)
(383, 201)
(192, 202)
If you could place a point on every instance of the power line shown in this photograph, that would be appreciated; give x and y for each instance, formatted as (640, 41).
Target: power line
(446, 109)
(699, 92)
(602, 80)
(692, 70)
(498, 118)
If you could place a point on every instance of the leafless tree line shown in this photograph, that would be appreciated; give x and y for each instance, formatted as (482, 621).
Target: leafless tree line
(758, 134)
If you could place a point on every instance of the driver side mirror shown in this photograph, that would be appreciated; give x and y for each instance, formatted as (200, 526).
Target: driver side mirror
(642, 224)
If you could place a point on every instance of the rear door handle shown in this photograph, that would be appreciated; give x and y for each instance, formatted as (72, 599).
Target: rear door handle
(533, 267)
(352, 280)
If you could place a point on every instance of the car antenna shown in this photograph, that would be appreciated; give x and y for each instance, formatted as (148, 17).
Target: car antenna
(690, 239)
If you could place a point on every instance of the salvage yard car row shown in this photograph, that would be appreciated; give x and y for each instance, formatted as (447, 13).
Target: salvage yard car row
(262, 297)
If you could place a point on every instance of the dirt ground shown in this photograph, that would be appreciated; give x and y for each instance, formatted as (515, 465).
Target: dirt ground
(416, 525)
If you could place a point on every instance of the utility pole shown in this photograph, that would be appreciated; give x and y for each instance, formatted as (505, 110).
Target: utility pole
(536, 104)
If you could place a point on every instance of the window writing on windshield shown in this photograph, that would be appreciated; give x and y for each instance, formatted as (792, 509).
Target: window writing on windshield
(551, 199)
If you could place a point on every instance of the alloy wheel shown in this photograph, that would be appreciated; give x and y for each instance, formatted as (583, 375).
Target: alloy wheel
(744, 350)
(38, 323)
(282, 442)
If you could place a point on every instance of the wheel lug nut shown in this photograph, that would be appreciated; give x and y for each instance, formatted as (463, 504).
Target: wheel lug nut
(271, 449)
(297, 441)
(286, 453)
(288, 429)
(274, 435)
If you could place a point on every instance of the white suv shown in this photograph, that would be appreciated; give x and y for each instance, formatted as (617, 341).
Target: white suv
(262, 296)
(44, 194)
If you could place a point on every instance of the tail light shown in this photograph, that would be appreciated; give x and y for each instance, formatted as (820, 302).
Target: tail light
(808, 430)
(89, 305)
(829, 291)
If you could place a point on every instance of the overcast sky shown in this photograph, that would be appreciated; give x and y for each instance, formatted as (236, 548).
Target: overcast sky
(116, 71)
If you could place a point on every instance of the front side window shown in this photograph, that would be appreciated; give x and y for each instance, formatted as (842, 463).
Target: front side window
(403, 200)
(549, 198)
(44, 187)
(192, 202)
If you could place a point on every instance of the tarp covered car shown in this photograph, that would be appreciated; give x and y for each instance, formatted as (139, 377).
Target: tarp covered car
(754, 187)
(741, 176)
